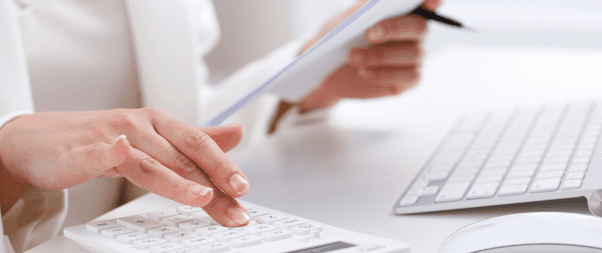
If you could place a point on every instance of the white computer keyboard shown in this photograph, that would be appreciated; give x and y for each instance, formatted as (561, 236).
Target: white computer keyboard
(513, 156)
(185, 229)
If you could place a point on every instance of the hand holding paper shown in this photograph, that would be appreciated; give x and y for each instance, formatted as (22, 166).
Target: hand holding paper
(388, 65)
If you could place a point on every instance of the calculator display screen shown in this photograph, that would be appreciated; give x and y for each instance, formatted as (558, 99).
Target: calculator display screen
(324, 248)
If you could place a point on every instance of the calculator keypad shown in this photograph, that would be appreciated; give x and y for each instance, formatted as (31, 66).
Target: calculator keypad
(189, 230)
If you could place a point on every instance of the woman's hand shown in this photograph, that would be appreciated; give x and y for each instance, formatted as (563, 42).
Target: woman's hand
(58, 150)
(389, 66)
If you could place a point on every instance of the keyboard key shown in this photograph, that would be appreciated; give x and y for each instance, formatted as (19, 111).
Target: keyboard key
(196, 242)
(193, 225)
(414, 192)
(130, 237)
(97, 226)
(188, 210)
(250, 224)
(114, 232)
(460, 178)
(452, 192)
(257, 212)
(571, 184)
(270, 219)
(209, 231)
(138, 223)
(488, 179)
(305, 229)
(553, 167)
(575, 175)
(288, 224)
(179, 236)
(484, 190)
(246, 241)
(523, 167)
(175, 221)
(545, 185)
(147, 243)
(408, 200)
(494, 172)
(158, 216)
(259, 229)
(277, 235)
(165, 247)
(431, 190)
(228, 235)
(549, 174)
(515, 181)
(522, 173)
(162, 231)
(512, 190)
(433, 176)
(215, 247)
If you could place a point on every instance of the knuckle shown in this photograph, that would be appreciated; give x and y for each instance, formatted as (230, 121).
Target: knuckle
(184, 166)
(125, 120)
(153, 111)
(148, 165)
(196, 140)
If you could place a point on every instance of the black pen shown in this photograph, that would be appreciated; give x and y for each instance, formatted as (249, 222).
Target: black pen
(420, 11)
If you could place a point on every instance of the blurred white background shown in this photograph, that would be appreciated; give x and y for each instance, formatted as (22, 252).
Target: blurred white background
(251, 29)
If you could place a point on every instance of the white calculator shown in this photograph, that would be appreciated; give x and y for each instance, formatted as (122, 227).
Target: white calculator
(186, 229)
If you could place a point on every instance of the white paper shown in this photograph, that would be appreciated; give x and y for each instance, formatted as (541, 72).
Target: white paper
(298, 78)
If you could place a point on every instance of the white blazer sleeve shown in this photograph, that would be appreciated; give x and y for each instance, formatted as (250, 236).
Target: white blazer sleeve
(15, 93)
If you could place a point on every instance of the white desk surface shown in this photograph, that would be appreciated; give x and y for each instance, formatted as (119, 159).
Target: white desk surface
(349, 171)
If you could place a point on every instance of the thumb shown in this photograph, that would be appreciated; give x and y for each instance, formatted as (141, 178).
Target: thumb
(103, 156)
(226, 137)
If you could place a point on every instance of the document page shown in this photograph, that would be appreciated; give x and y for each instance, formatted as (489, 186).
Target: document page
(294, 81)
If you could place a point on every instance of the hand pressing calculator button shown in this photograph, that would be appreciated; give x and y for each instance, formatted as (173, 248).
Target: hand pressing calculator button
(178, 230)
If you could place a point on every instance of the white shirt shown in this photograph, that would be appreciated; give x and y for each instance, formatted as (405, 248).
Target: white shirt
(97, 55)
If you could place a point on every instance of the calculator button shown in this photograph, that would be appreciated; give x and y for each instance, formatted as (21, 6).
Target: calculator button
(246, 241)
(305, 229)
(214, 247)
(148, 242)
(114, 232)
(179, 236)
(162, 231)
(188, 210)
(165, 247)
(228, 235)
(196, 242)
(176, 220)
(257, 212)
(276, 235)
(158, 216)
(270, 219)
(259, 229)
(97, 226)
(129, 238)
(288, 224)
(193, 225)
(138, 223)
(209, 231)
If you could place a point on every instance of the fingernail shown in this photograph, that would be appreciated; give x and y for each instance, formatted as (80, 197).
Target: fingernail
(237, 214)
(238, 183)
(200, 190)
(375, 33)
(357, 57)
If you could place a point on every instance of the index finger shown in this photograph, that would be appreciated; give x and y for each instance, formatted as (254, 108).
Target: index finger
(201, 149)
